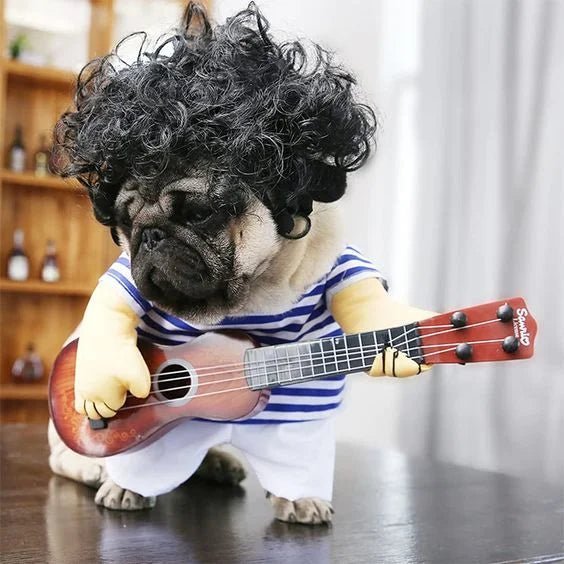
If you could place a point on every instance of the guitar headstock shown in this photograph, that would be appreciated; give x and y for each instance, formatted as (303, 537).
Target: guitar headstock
(501, 330)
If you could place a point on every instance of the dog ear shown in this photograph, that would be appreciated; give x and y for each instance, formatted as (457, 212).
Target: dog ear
(195, 22)
(328, 183)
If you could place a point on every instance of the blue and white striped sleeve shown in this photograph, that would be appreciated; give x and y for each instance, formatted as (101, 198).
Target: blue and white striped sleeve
(350, 267)
(119, 275)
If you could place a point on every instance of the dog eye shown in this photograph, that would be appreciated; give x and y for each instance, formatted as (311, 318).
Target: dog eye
(195, 213)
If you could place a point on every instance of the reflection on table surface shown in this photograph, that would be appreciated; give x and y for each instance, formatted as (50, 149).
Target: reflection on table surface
(389, 508)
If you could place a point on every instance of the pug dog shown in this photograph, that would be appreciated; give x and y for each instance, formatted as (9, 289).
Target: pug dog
(217, 160)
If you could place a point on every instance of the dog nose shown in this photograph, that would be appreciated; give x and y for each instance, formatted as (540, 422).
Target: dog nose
(151, 238)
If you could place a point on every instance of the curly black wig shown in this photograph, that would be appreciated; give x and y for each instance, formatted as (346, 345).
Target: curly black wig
(274, 118)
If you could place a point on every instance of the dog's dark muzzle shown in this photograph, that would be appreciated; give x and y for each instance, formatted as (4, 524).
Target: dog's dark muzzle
(170, 274)
(154, 247)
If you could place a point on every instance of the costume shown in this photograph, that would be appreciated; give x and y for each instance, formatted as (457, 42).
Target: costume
(296, 461)
(205, 158)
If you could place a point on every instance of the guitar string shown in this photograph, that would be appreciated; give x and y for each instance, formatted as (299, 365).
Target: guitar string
(217, 392)
(349, 370)
(238, 365)
(346, 370)
(271, 363)
(287, 368)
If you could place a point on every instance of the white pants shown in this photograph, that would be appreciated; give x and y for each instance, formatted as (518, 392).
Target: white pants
(291, 460)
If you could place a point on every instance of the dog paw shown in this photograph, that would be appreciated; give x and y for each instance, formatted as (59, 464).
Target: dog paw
(221, 467)
(112, 496)
(306, 510)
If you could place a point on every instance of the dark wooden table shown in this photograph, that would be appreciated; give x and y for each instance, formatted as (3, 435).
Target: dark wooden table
(389, 509)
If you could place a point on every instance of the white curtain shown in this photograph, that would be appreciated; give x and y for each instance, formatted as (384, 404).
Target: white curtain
(490, 208)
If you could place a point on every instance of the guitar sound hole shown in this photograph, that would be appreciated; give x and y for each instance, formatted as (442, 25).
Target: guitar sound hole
(174, 381)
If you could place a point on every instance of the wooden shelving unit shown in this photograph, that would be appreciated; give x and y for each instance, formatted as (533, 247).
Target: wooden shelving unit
(45, 208)
(24, 392)
(41, 75)
(29, 180)
(39, 287)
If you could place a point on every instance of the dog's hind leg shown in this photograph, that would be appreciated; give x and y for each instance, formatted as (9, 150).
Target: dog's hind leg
(221, 467)
(92, 472)
(294, 462)
(67, 463)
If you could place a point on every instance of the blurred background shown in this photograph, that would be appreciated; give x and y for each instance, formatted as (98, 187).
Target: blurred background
(463, 202)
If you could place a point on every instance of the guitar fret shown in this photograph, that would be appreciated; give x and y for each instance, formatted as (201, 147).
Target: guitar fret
(300, 365)
(299, 369)
(369, 344)
(335, 354)
(294, 363)
(356, 357)
(408, 348)
(311, 361)
(326, 349)
(281, 363)
(362, 361)
(323, 357)
(263, 378)
(289, 369)
(347, 357)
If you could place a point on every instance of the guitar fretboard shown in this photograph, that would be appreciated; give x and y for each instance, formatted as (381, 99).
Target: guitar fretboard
(280, 365)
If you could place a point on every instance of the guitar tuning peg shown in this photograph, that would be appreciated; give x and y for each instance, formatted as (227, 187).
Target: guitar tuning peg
(458, 319)
(464, 351)
(510, 344)
(505, 313)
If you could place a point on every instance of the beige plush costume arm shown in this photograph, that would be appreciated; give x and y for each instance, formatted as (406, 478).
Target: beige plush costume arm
(366, 306)
(108, 362)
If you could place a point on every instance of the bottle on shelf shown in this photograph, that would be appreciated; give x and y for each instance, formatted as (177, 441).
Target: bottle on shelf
(50, 269)
(29, 367)
(18, 261)
(42, 158)
(17, 151)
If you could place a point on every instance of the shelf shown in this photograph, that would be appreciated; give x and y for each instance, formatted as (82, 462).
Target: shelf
(31, 180)
(23, 391)
(40, 75)
(38, 287)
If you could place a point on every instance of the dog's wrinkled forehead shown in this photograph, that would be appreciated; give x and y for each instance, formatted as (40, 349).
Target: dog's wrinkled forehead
(163, 191)
(172, 196)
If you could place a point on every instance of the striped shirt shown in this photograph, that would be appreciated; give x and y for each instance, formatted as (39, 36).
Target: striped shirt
(308, 318)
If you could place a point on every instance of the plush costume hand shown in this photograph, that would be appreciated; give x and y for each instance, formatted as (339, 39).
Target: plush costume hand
(108, 362)
(366, 306)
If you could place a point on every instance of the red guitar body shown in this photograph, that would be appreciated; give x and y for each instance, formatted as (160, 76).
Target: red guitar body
(131, 427)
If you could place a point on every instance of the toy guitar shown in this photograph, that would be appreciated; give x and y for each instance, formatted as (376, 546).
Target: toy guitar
(224, 376)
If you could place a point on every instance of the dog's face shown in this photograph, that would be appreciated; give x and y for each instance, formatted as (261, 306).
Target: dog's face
(195, 246)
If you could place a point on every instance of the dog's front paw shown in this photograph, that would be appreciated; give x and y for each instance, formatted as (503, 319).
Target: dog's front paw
(221, 467)
(112, 496)
(306, 510)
